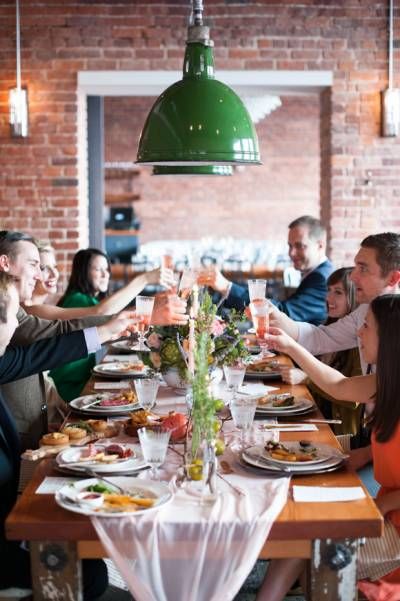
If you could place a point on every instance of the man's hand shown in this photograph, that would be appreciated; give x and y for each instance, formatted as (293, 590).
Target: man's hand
(278, 319)
(213, 278)
(122, 325)
(168, 310)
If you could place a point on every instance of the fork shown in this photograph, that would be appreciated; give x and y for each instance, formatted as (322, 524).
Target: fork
(95, 474)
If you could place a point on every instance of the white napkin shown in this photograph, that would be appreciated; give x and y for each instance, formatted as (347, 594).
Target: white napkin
(111, 385)
(318, 494)
(256, 388)
(50, 485)
(289, 428)
(113, 358)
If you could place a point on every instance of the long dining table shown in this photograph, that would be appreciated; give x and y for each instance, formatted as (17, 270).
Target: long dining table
(327, 533)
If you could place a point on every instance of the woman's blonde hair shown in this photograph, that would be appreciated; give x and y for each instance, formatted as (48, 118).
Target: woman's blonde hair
(6, 280)
(44, 246)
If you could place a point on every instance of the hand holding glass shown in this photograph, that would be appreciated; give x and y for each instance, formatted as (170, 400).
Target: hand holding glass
(234, 375)
(154, 444)
(243, 411)
(187, 282)
(144, 309)
(146, 391)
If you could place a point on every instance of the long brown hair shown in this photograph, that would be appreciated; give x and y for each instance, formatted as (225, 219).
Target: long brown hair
(386, 413)
(79, 280)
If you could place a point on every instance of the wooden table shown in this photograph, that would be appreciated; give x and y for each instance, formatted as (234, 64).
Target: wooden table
(327, 533)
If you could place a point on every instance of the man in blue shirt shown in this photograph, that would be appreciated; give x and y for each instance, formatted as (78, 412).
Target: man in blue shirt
(307, 250)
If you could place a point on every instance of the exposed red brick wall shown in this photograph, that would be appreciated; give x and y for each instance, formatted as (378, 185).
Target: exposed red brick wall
(38, 176)
(256, 202)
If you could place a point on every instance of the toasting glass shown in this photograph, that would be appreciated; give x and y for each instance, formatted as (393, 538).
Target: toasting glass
(144, 309)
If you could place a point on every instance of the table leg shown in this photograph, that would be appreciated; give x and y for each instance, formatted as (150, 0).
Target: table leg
(333, 570)
(56, 571)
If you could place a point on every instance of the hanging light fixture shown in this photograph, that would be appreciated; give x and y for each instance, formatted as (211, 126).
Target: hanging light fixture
(192, 170)
(198, 120)
(391, 96)
(18, 97)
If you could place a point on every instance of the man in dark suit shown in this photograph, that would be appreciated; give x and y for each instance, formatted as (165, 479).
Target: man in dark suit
(307, 250)
(19, 362)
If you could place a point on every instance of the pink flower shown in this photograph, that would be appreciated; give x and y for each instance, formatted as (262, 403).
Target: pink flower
(154, 341)
(217, 327)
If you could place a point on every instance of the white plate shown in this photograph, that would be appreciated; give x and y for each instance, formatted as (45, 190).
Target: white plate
(300, 405)
(119, 369)
(259, 466)
(126, 346)
(147, 488)
(129, 464)
(259, 457)
(80, 404)
(321, 455)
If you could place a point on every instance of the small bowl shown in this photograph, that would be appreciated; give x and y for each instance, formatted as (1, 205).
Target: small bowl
(91, 500)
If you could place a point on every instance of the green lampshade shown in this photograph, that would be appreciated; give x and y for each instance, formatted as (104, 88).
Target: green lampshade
(190, 170)
(198, 120)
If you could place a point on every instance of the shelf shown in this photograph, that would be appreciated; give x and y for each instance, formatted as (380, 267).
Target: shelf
(123, 197)
(119, 173)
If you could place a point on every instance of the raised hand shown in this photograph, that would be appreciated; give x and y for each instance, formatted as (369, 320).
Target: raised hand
(169, 309)
(278, 340)
(122, 325)
(212, 277)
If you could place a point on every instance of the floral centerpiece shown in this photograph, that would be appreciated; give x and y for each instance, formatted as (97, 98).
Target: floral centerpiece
(169, 345)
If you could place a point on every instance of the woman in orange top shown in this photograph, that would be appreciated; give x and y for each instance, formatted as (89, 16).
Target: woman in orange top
(379, 559)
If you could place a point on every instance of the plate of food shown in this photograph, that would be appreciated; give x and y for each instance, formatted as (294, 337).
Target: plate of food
(121, 369)
(297, 452)
(284, 403)
(263, 369)
(253, 458)
(105, 458)
(125, 346)
(118, 497)
(106, 403)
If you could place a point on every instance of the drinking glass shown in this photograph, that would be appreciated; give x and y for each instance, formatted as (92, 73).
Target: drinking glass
(186, 284)
(260, 310)
(234, 375)
(257, 289)
(243, 411)
(154, 444)
(144, 309)
(167, 260)
(146, 391)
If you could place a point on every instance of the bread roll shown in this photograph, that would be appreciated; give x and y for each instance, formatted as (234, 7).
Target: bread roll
(74, 433)
(98, 425)
(54, 438)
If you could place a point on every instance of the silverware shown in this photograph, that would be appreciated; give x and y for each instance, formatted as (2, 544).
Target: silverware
(238, 490)
(94, 474)
(322, 421)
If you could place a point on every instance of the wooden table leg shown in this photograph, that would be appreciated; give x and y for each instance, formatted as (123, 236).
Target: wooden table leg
(333, 570)
(56, 571)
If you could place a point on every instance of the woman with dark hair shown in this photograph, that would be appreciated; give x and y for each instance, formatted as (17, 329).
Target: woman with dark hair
(340, 301)
(88, 288)
(380, 345)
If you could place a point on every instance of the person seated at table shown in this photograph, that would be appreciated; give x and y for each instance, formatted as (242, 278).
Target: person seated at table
(15, 363)
(340, 300)
(307, 250)
(380, 345)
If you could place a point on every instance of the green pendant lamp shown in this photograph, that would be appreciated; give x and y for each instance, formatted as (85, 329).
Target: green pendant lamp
(190, 170)
(198, 120)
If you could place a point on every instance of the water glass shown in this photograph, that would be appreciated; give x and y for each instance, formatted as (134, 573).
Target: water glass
(234, 375)
(257, 289)
(144, 309)
(154, 445)
(146, 391)
(243, 411)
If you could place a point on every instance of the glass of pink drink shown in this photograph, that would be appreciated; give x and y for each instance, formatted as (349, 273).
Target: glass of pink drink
(144, 309)
(260, 309)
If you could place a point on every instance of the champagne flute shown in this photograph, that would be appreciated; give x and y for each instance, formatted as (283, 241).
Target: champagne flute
(257, 289)
(144, 309)
(154, 443)
(243, 411)
(260, 310)
(186, 284)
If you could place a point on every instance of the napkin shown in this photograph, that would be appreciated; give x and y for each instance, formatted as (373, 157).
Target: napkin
(288, 427)
(111, 385)
(50, 485)
(321, 494)
(113, 358)
(256, 388)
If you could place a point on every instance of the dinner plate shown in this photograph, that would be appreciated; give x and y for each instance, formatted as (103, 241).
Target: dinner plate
(120, 369)
(124, 346)
(258, 457)
(128, 464)
(320, 455)
(301, 405)
(84, 405)
(321, 468)
(158, 490)
(268, 374)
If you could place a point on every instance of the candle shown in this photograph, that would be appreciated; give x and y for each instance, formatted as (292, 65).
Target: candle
(195, 300)
(192, 343)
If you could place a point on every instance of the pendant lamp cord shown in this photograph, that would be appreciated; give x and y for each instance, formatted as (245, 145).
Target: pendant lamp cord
(197, 12)
(391, 44)
(18, 44)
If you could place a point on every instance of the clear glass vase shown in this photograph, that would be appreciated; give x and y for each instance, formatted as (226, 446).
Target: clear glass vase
(201, 472)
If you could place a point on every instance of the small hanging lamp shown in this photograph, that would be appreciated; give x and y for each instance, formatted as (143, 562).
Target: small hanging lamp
(391, 96)
(198, 120)
(190, 170)
(18, 96)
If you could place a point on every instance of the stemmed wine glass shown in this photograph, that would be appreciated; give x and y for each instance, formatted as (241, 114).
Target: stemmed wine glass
(260, 310)
(154, 443)
(243, 411)
(144, 309)
(146, 391)
(234, 375)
